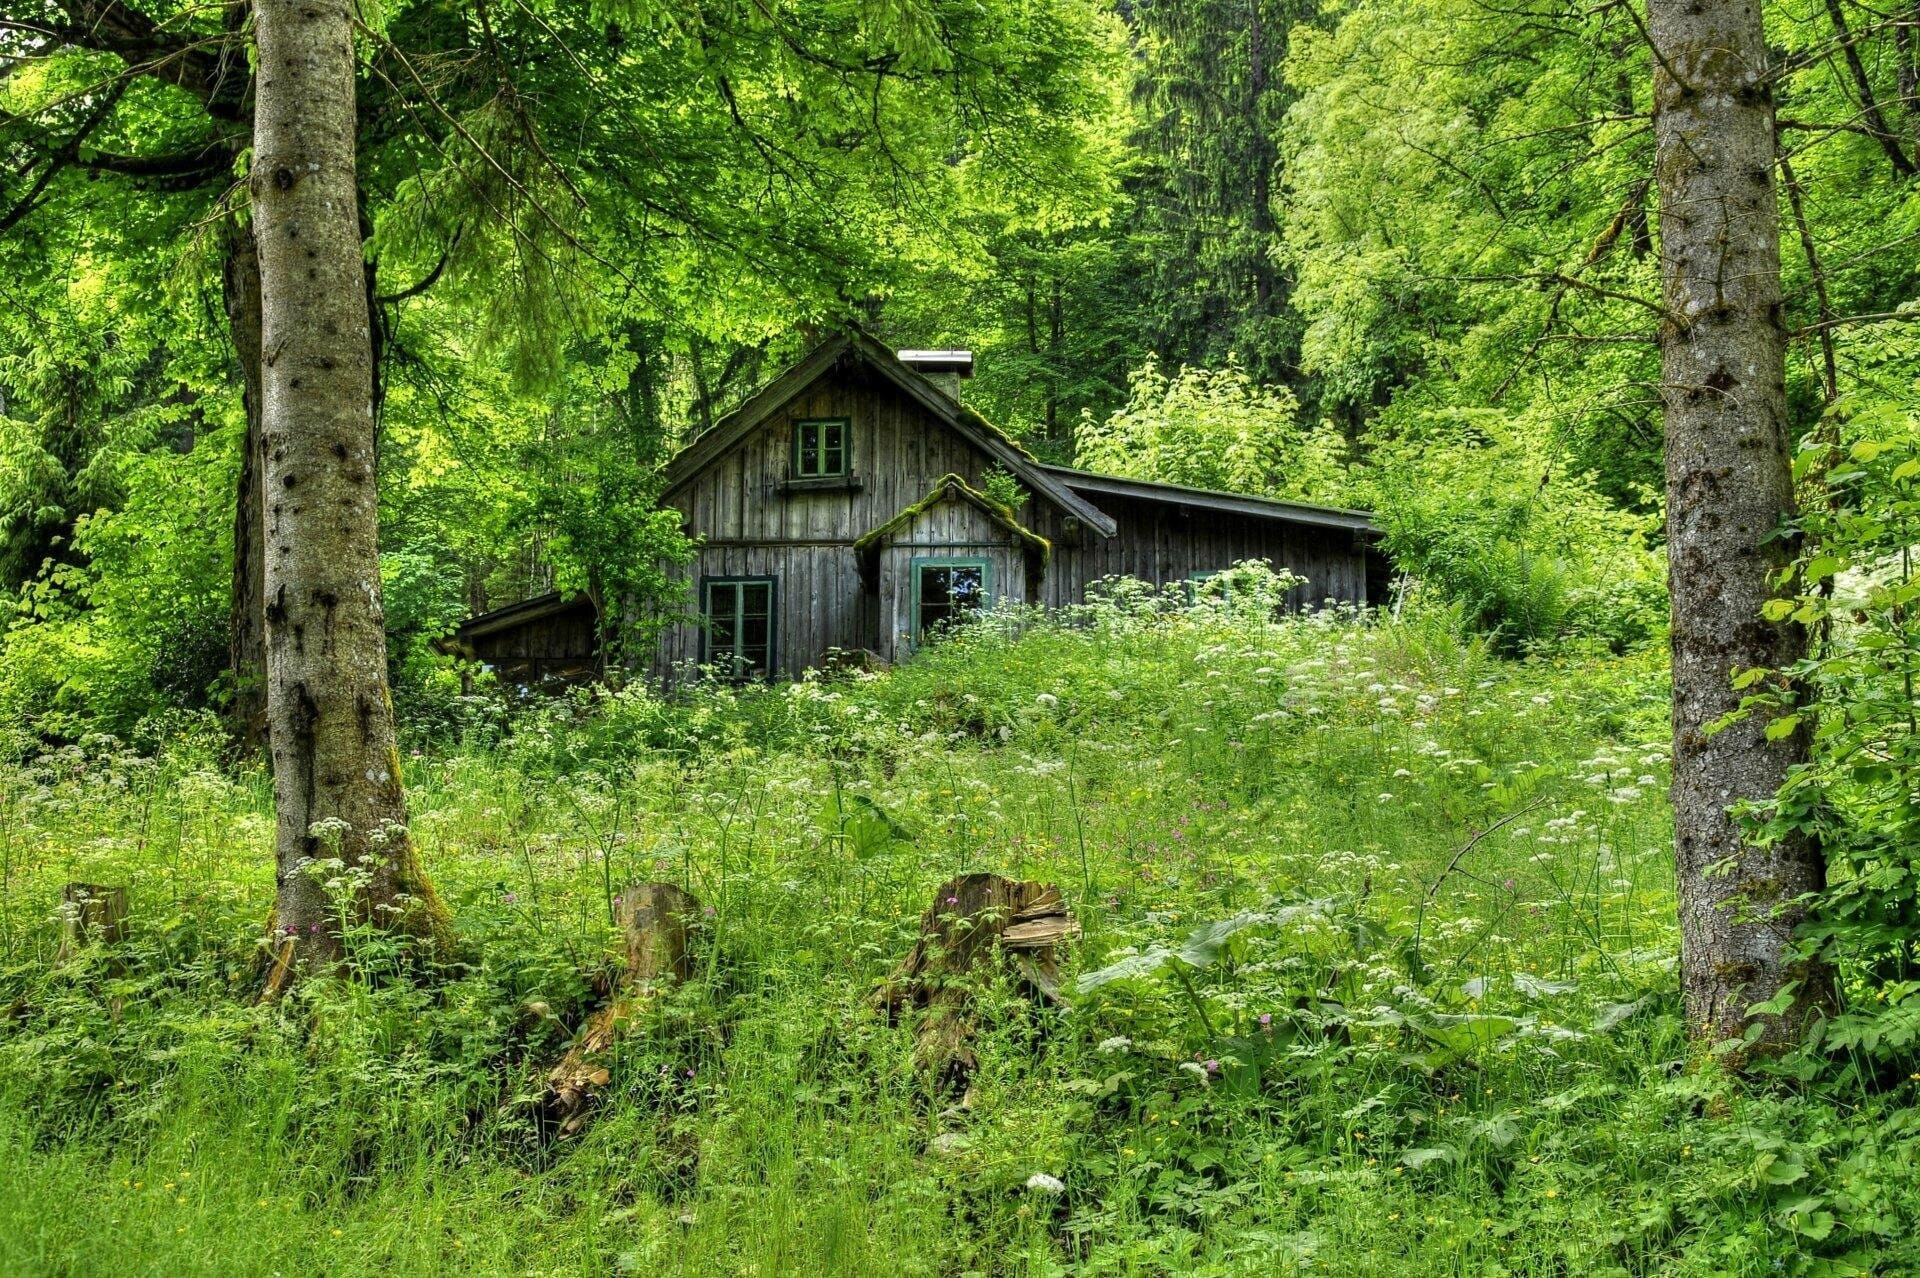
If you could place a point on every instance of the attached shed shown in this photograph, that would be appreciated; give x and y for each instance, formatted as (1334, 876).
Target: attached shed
(947, 555)
(551, 637)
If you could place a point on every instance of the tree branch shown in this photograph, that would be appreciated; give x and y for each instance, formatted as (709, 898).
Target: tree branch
(431, 278)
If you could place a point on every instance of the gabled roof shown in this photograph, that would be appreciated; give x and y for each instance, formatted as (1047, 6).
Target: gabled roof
(963, 421)
(1086, 481)
(954, 488)
(538, 608)
(1036, 548)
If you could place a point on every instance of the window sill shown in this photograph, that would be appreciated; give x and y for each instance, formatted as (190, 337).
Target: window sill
(823, 484)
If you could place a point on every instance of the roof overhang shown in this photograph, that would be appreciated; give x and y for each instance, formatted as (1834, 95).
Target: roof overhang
(1086, 481)
(526, 612)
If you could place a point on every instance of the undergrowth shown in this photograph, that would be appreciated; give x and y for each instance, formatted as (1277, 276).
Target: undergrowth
(1377, 976)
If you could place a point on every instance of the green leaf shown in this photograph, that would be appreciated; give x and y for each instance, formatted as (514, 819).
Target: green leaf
(1205, 945)
(1777, 1169)
(1134, 967)
(1782, 727)
(1612, 1015)
(1821, 567)
(1418, 1158)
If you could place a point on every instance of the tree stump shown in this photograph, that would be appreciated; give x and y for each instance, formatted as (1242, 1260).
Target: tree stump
(973, 919)
(654, 919)
(91, 913)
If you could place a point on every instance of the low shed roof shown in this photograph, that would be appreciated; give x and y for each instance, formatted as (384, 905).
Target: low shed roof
(1093, 483)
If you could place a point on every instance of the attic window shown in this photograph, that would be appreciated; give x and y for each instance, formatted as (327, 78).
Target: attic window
(820, 447)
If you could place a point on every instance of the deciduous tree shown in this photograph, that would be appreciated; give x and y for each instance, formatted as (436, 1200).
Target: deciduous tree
(342, 850)
(1729, 492)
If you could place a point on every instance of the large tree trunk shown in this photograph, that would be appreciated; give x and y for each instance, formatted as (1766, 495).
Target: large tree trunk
(246, 630)
(336, 773)
(1723, 359)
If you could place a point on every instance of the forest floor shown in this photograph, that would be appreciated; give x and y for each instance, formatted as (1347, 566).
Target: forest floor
(1350, 1039)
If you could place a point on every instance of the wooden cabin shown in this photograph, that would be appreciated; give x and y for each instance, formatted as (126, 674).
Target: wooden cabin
(843, 509)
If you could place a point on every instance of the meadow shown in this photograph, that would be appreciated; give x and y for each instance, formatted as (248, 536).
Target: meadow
(1377, 976)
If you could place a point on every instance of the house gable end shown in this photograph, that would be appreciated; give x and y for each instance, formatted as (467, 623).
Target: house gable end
(851, 358)
(990, 522)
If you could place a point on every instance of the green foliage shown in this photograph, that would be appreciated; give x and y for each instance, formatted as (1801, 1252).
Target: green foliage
(1004, 489)
(1855, 587)
(1209, 99)
(137, 626)
(1253, 821)
(1214, 429)
(1474, 505)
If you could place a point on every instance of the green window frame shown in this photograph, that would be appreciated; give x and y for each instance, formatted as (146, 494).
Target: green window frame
(961, 585)
(822, 448)
(739, 625)
(1198, 586)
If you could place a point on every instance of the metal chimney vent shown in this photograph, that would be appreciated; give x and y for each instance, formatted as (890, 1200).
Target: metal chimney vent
(943, 368)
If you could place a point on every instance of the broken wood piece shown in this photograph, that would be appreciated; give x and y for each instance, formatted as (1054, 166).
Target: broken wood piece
(91, 913)
(654, 921)
(973, 918)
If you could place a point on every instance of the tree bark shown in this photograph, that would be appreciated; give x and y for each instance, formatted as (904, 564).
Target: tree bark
(1723, 363)
(336, 772)
(654, 919)
(974, 919)
(246, 628)
(91, 914)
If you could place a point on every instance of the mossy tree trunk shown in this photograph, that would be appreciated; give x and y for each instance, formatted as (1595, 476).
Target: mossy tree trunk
(336, 771)
(1729, 488)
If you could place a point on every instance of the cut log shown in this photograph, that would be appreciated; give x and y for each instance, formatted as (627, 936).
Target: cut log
(91, 914)
(973, 919)
(654, 920)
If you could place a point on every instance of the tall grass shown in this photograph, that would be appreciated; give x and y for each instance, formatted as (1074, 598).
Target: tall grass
(1418, 1051)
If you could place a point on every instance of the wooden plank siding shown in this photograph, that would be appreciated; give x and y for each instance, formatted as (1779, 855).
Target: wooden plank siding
(753, 518)
(529, 643)
(951, 530)
(753, 524)
(1162, 542)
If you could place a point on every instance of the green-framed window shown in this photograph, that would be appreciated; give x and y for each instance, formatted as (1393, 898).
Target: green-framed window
(822, 447)
(737, 630)
(1207, 585)
(948, 590)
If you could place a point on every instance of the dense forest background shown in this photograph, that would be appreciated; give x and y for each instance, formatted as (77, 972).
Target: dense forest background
(1390, 256)
(1384, 933)
(1396, 256)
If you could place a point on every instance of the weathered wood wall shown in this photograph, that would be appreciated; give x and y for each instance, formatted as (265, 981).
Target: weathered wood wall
(757, 524)
(564, 645)
(1161, 542)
